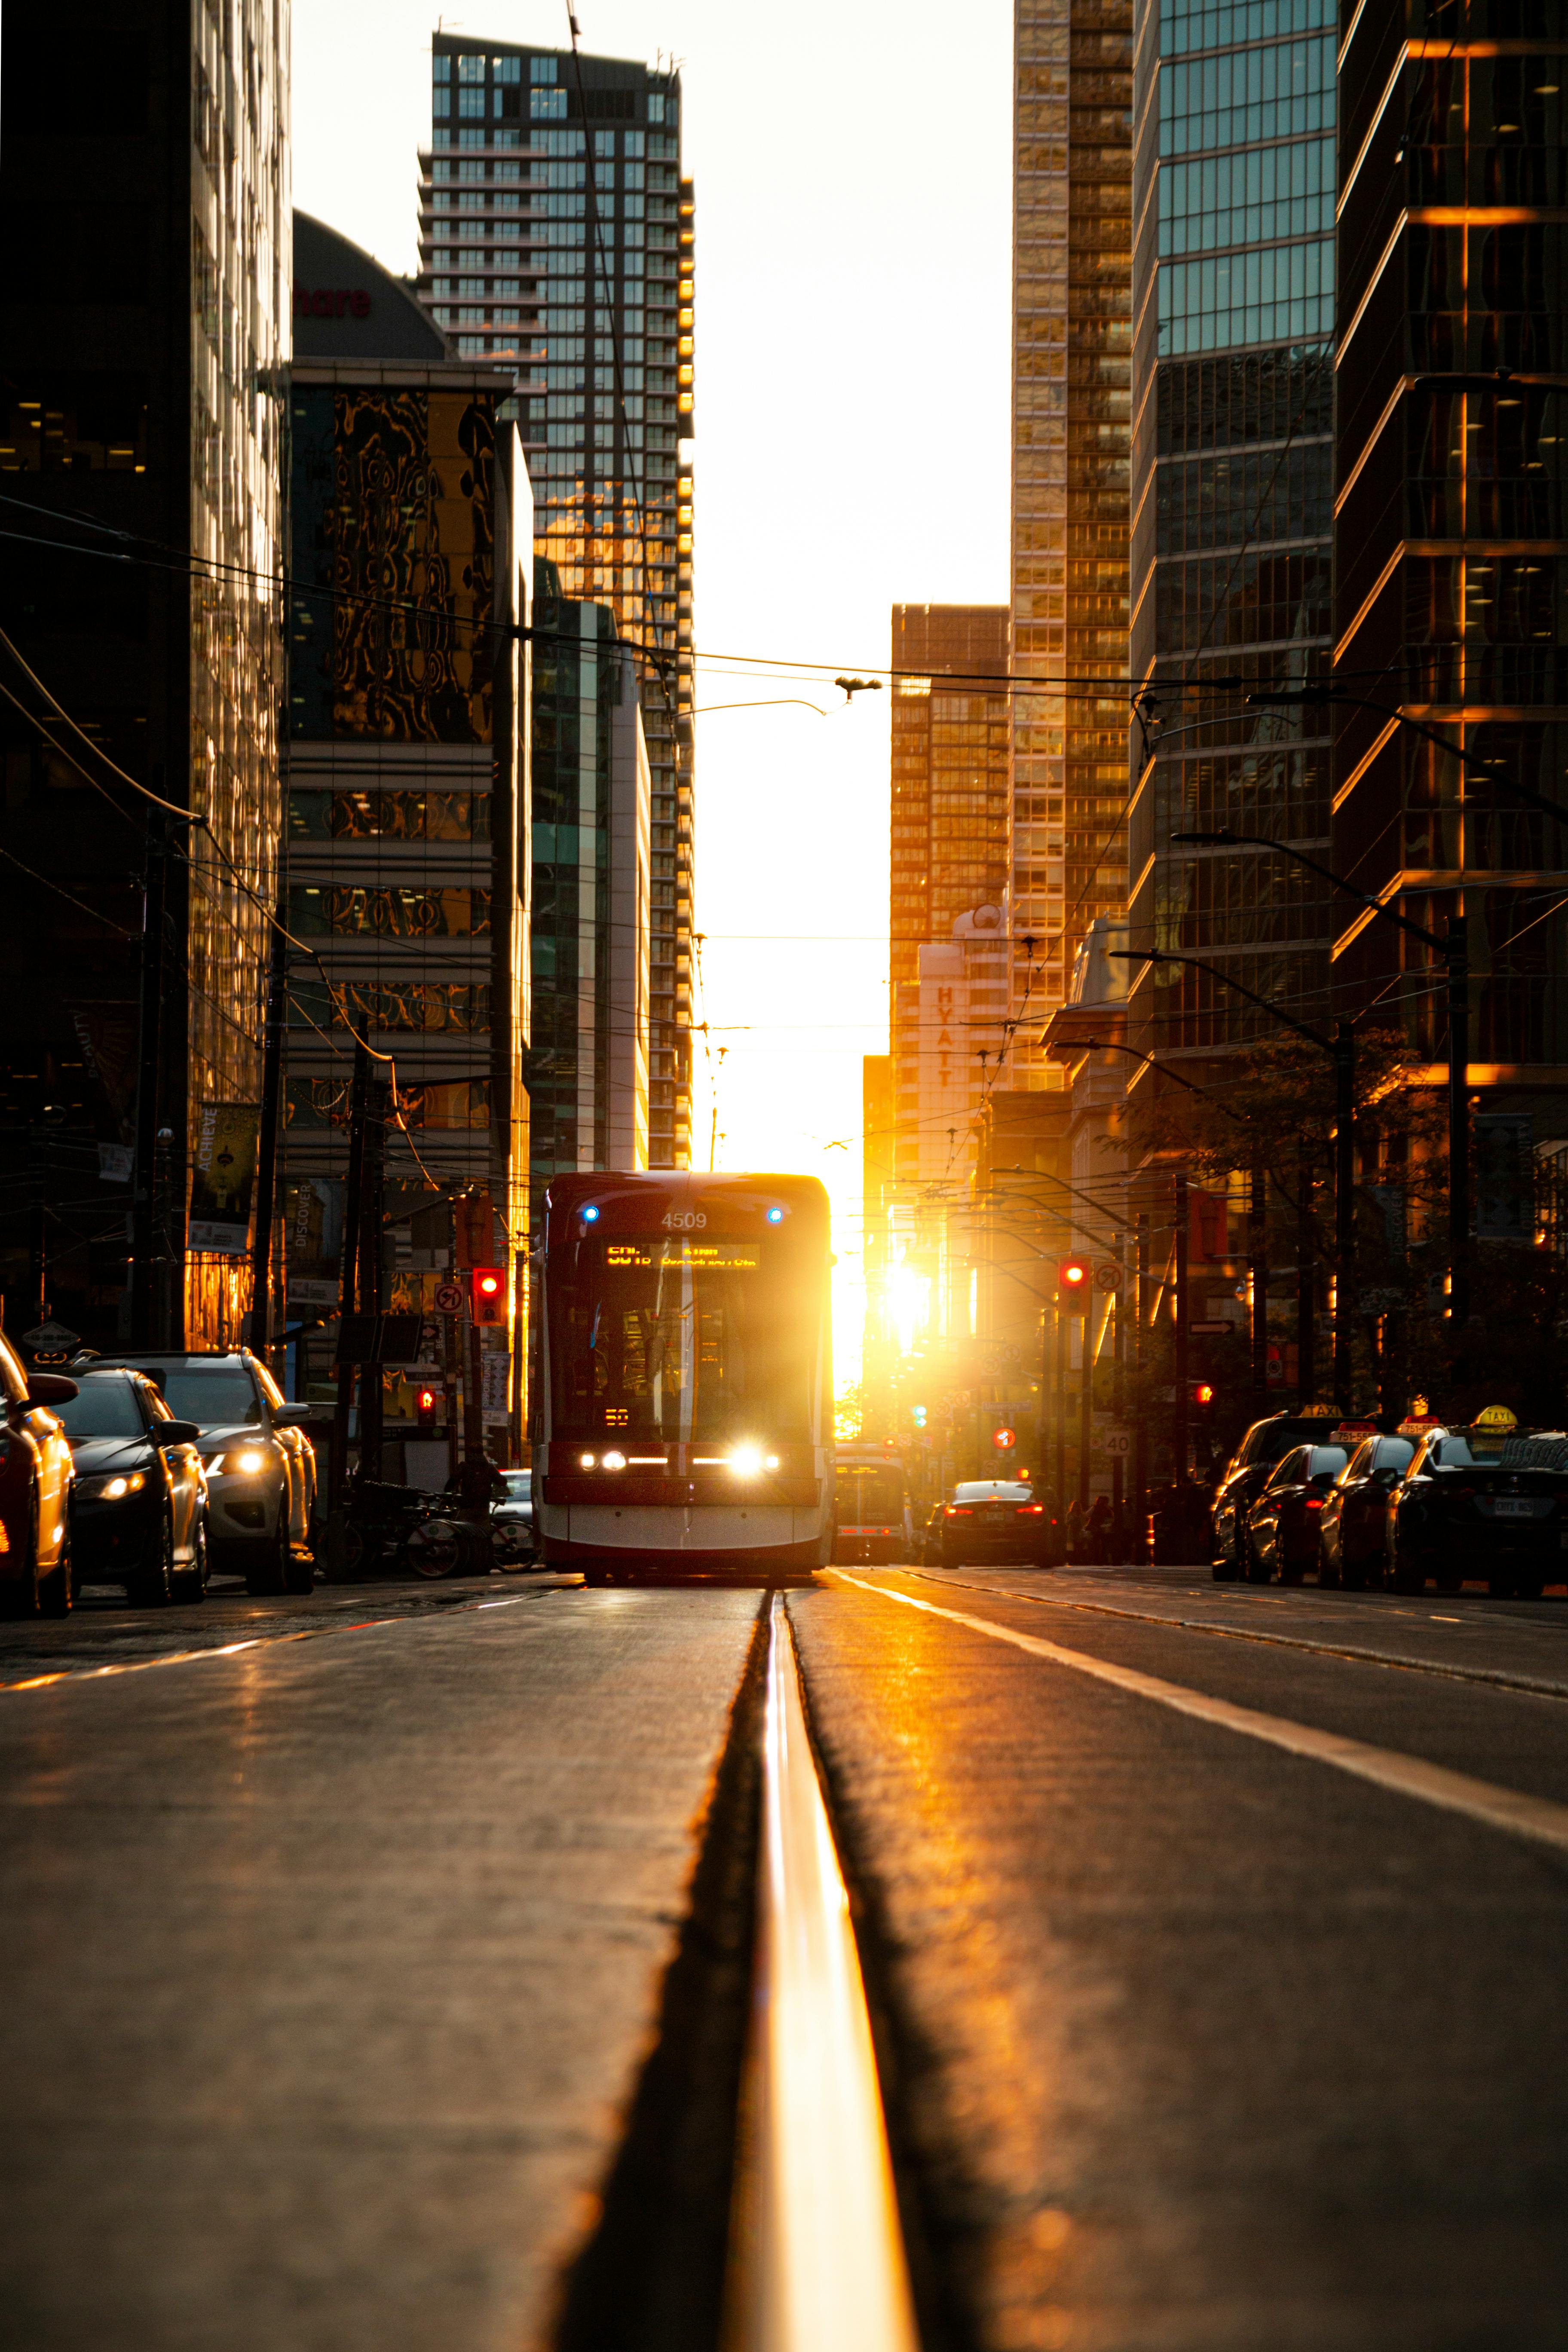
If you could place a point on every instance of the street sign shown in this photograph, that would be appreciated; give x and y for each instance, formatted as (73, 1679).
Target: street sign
(1117, 1444)
(51, 1338)
(1106, 1275)
(449, 1297)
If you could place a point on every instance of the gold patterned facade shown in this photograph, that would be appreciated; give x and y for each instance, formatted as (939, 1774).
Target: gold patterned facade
(1071, 346)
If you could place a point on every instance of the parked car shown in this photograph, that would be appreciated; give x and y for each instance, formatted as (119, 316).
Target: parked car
(1489, 1501)
(513, 1516)
(1001, 1521)
(1265, 1444)
(36, 1473)
(260, 1466)
(1352, 1525)
(928, 1544)
(139, 1504)
(1282, 1525)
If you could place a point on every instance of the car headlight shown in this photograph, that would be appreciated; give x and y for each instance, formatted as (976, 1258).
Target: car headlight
(111, 1489)
(244, 1464)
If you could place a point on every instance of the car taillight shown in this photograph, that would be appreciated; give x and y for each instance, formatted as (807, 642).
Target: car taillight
(1030, 1510)
(957, 1510)
(1315, 1502)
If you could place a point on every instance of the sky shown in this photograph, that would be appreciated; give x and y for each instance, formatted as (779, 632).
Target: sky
(852, 169)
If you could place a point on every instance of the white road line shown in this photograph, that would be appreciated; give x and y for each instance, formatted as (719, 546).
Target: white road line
(819, 2255)
(1495, 1677)
(1408, 1776)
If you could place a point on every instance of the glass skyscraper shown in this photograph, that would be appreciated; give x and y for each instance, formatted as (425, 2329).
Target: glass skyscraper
(146, 335)
(1072, 332)
(557, 233)
(1232, 477)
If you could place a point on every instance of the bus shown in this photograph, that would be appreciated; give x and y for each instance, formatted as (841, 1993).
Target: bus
(682, 1417)
(870, 1507)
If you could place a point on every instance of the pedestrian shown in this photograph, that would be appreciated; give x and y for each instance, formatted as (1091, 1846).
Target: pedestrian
(1097, 1530)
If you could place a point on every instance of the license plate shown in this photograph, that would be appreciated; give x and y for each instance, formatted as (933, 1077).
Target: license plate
(1507, 1506)
(994, 1518)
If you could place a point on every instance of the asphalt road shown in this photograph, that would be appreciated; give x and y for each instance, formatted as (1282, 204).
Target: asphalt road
(362, 1948)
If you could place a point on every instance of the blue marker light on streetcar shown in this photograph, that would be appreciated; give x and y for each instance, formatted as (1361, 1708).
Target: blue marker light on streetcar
(590, 1214)
(775, 1216)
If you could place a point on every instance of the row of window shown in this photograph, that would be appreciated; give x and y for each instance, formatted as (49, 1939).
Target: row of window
(1254, 495)
(424, 1006)
(1219, 602)
(1208, 403)
(326, 910)
(1283, 296)
(1261, 196)
(1188, 25)
(1243, 96)
(391, 815)
(324, 1103)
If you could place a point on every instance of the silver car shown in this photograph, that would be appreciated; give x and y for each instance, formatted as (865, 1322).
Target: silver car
(515, 1515)
(260, 1466)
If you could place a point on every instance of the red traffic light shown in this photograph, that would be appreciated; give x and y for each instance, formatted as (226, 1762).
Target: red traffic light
(486, 1293)
(1073, 1273)
(425, 1410)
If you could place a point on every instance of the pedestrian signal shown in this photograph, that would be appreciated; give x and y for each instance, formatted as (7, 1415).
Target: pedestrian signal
(1003, 1439)
(1203, 1393)
(486, 1292)
(425, 1411)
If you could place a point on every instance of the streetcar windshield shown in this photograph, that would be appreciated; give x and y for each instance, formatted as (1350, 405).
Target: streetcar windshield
(684, 1338)
(865, 1497)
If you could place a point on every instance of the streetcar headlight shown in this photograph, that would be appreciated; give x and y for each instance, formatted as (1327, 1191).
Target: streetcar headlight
(746, 1461)
(584, 1461)
(614, 1461)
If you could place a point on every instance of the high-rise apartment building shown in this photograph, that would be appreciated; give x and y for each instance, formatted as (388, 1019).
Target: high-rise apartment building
(1232, 460)
(1451, 579)
(1071, 336)
(588, 1059)
(143, 320)
(556, 232)
(951, 741)
(408, 800)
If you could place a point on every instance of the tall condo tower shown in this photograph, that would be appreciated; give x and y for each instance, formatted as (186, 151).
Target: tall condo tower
(556, 232)
(1231, 465)
(1071, 335)
(950, 749)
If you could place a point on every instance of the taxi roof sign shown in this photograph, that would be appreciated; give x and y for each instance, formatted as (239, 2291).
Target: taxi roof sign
(1355, 1429)
(1319, 1413)
(1416, 1424)
(1496, 1416)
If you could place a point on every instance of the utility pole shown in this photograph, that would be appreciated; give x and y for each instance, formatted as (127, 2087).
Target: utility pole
(1181, 1349)
(1456, 958)
(37, 1251)
(1306, 1273)
(369, 1267)
(347, 1295)
(149, 1027)
(1140, 1385)
(1086, 1398)
(1257, 1244)
(1118, 1372)
(1344, 1209)
(266, 1143)
(1060, 1480)
(1042, 1454)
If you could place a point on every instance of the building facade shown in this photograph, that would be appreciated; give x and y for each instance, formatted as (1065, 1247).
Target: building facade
(144, 328)
(1071, 337)
(557, 235)
(408, 809)
(950, 748)
(1232, 462)
(588, 1061)
(1451, 542)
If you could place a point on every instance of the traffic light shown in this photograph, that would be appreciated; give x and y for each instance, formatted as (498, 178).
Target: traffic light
(425, 1411)
(1003, 1439)
(1073, 1273)
(486, 1293)
(919, 1414)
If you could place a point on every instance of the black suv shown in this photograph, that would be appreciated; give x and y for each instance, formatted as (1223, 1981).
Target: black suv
(1265, 1444)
